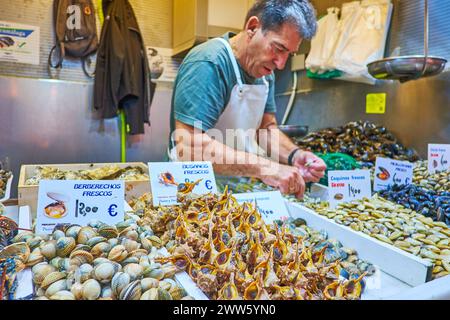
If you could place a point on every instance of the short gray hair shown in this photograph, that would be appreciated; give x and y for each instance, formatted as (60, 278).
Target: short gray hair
(274, 13)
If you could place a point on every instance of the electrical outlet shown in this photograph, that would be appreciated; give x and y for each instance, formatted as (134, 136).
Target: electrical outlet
(298, 62)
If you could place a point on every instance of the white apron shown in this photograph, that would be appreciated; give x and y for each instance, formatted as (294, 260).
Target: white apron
(244, 111)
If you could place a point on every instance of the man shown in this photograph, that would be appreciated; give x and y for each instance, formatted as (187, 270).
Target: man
(228, 84)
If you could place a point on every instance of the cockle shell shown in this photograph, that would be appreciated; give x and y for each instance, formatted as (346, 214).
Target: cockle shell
(64, 246)
(52, 278)
(118, 253)
(79, 257)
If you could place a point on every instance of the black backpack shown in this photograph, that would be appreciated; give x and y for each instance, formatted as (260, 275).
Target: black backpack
(75, 31)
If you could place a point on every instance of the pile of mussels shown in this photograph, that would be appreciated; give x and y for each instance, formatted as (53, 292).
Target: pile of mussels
(430, 203)
(363, 140)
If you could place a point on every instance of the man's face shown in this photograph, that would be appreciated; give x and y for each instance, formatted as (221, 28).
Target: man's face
(270, 50)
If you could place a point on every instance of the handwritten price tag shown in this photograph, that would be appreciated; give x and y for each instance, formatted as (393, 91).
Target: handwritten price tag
(168, 178)
(389, 172)
(270, 204)
(438, 157)
(79, 202)
(345, 186)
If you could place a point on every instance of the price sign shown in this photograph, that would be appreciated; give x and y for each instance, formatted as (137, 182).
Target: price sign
(270, 204)
(79, 202)
(376, 103)
(438, 157)
(389, 172)
(345, 186)
(169, 178)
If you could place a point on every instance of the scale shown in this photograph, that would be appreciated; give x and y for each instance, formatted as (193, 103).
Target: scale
(406, 68)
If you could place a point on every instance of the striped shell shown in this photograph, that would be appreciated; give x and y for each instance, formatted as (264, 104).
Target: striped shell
(79, 257)
(57, 234)
(52, 278)
(64, 246)
(119, 281)
(132, 291)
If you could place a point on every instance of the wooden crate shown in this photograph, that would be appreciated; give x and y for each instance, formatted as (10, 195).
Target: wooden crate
(28, 194)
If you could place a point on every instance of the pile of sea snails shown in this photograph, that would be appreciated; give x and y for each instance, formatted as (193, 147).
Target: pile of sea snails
(396, 225)
(98, 262)
(349, 261)
(351, 265)
(364, 141)
(230, 252)
(439, 181)
(430, 203)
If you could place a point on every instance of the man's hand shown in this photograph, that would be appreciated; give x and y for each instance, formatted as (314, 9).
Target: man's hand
(288, 179)
(311, 167)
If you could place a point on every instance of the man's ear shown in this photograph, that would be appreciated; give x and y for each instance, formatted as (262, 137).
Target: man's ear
(252, 26)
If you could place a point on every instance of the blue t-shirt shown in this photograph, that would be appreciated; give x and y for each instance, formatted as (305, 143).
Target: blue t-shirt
(204, 83)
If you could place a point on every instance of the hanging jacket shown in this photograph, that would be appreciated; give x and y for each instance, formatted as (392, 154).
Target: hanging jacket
(122, 77)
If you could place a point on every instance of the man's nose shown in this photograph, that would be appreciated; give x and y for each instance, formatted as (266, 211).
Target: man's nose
(280, 60)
